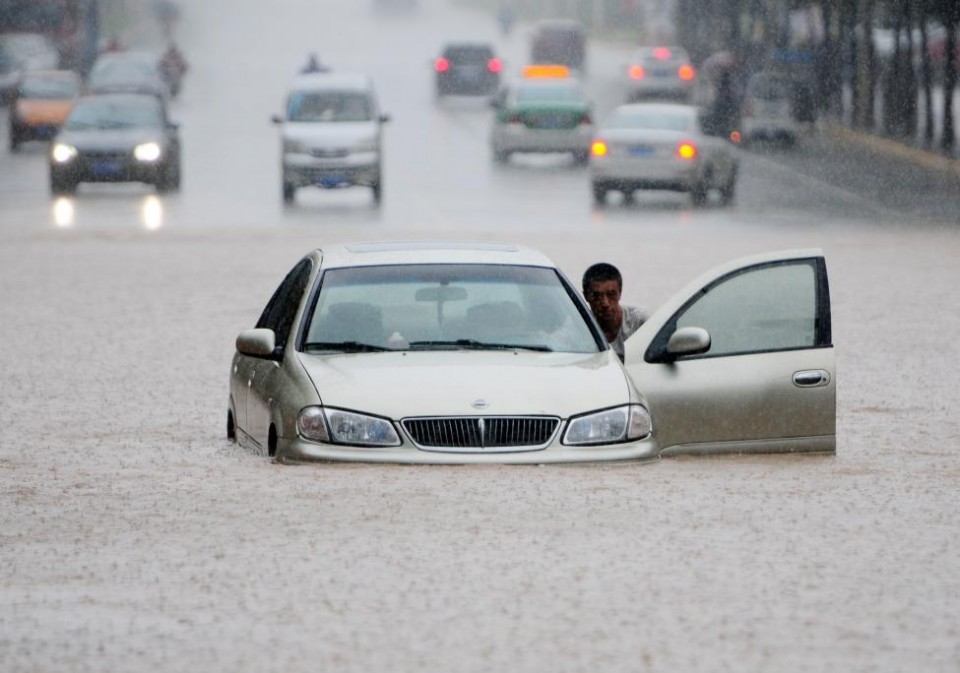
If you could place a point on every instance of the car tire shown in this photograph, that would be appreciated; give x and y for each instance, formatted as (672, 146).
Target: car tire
(231, 426)
(501, 156)
(377, 189)
(699, 193)
(169, 179)
(599, 194)
(62, 186)
(15, 141)
(728, 192)
(289, 192)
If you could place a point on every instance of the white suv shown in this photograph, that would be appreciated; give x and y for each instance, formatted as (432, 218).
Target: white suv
(331, 134)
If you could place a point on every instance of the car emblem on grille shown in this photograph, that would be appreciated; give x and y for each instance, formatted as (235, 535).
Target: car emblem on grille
(480, 404)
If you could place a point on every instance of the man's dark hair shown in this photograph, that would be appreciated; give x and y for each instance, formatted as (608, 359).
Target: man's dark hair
(600, 273)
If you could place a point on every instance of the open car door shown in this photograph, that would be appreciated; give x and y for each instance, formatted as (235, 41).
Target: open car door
(742, 360)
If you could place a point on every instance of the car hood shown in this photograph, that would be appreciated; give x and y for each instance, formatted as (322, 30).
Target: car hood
(104, 139)
(449, 383)
(334, 134)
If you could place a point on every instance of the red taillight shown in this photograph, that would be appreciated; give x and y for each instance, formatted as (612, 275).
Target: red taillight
(441, 64)
(494, 65)
(636, 72)
(514, 118)
(735, 137)
(585, 118)
(661, 53)
(686, 149)
(686, 72)
(598, 148)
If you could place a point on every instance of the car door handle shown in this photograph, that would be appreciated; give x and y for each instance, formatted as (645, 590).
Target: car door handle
(811, 378)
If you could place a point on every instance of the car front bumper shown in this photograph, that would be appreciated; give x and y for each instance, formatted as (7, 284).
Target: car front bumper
(299, 450)
(114, 168)
(302, 170)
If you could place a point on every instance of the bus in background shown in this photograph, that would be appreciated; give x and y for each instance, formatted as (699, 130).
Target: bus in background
(73, 26)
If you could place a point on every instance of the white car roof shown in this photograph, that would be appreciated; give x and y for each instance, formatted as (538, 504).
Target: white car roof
(430, 252)
(331, 80)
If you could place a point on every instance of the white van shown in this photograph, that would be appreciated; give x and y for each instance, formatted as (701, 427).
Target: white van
(331, 134)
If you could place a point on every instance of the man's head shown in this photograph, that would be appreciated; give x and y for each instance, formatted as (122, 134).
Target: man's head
(602, 285)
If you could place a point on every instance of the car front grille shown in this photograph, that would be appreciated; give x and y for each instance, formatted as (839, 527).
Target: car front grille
(482, 433)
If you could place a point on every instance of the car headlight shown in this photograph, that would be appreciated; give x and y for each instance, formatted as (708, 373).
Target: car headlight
(621, 424)
(63, 153)
(336, 426)
(148, 152)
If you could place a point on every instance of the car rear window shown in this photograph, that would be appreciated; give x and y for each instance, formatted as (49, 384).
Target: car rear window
(541, 92)
(468, 54)
(49, 88)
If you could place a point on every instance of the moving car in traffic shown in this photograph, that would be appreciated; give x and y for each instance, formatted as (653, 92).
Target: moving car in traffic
(467, 68)
(40, 104)
(446, 352)
(116, 138)
(545, 111)
(660, 72)
(21, 52)
(661, 146)
(767, 110)
(331, 134)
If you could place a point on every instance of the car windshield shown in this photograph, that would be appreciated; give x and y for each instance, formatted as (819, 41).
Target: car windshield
(550, 92)
(49, 88)
(329, 106)
(659, 121)
(102, 114)
(446, 307)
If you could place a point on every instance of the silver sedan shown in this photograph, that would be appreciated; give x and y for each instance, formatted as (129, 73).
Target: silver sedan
(662, 146)
(471, 353)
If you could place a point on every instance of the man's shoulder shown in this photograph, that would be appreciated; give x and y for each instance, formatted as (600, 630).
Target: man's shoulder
(633, 317)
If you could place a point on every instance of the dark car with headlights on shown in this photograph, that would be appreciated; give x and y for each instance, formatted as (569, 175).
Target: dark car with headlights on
(116, 138)
(467, 68)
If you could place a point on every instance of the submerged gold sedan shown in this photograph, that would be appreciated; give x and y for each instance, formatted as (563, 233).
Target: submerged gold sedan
(477, 352)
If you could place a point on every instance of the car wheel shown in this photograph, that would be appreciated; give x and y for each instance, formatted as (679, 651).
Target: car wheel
(169, 179)
(289, 191)
(501, 156)
(377, 188)
(15, 141)
(231, 427)
(60, 185)
(728, 192)
(599, 194)
(698, 195)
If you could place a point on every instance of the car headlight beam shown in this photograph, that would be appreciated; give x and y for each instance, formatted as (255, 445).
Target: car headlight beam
(336, 426)
(610, 426)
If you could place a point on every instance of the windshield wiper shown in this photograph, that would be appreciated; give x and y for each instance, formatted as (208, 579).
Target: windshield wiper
(345, 346)
(473, 344)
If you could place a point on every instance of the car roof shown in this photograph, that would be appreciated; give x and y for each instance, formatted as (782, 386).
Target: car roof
(670, 108)
(430, 252)
(319, 81)
(51, 74)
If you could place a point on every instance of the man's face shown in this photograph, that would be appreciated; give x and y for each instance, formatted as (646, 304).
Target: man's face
(603, 297)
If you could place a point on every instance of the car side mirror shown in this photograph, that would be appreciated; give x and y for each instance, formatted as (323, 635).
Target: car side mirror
(258, 343)
(276, 119)
(688, 341)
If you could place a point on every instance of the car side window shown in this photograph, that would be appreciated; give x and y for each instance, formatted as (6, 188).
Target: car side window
(282, 307)
(764, 308)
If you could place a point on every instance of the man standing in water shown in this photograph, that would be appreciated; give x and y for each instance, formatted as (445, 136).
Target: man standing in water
(602, 286)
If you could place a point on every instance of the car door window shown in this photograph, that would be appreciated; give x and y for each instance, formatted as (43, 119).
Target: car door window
(760, 309)
(282, 308)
